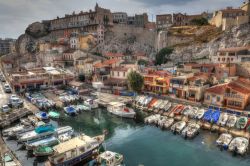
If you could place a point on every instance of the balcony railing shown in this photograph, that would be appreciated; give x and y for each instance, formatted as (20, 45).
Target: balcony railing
(233, 96)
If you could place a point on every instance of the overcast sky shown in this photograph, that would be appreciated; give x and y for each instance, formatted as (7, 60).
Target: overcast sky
(16, 15)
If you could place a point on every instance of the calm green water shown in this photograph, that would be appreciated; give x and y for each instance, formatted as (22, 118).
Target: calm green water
(147, 145)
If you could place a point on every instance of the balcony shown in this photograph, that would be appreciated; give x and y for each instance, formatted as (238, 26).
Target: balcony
(233, 96)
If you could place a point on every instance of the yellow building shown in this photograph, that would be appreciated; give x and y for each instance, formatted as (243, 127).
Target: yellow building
(229, 17)
(87, 41)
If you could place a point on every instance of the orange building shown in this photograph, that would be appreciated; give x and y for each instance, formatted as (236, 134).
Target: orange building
(157, 81)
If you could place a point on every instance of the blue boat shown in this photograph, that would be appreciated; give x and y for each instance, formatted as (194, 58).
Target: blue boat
(70, 110)
(208, 115)
(45, 128)
(215, 116)
(42, 116)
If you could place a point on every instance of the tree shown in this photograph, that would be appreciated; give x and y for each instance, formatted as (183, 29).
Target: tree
(142, 62)
(199, 21)
(81, 77)
(135, 81)
(163, 56)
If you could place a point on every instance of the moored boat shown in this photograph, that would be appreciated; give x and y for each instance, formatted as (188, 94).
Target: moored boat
(223, 119)
(12, 129)
(239, 145)
(224, 140)
(70, 110)
(178, 127)
(120, 109)
(161, 121)
(90, 103)
(109, 158)
(43, 151)
(75, 150)
(50, 141)
(42, 116)
(241, 122)
(168, 123)
(54, 114)
(232, 119)
(199, 114)
(191, 130)
(215, 116)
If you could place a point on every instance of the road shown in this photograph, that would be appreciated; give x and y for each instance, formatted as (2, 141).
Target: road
(3, 96)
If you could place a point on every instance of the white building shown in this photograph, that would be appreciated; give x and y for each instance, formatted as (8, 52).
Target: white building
(232, 55)
(74, 41)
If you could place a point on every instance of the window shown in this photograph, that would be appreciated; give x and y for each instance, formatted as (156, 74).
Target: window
(218, 98)
(208, 97)
(118, 74)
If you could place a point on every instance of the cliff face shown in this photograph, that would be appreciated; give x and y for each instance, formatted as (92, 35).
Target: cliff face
(202, 43)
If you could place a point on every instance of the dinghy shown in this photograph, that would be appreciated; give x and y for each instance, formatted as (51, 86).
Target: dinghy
(224, 140)
(191, 130)
(168, 123)
(241, 122)
(223, 119)
(232, 119)
(43, 151)
(178, 127)
(239, 145)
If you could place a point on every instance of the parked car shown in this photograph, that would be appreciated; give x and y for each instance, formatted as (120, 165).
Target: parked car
(5, 108)
(15, 101)
(7, 88)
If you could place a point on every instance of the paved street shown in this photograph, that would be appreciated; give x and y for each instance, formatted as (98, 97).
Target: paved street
(4, 97)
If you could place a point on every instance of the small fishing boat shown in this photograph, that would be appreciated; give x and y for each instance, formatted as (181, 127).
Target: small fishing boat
(157, 105)
(75, 150)
(168, 123)
(64, 130)
(239, 145)
(90, 103)
(177, 110)
(109, 158)
(178, 127)
(38, 133)
(17, 133)
(25, 121)
(188, 110)
(43, 151)
(199, 114)
(12, 129)
(191, 130)
(50, 141)
(54, 114)
(167, 107)
(70, 110)
(224, 140)
(161, 121)
(241, 122)
(232, 119)
(152, 119)
(120, 109)
(151, 105)
(146, 103)
(223, 119)
(162, 106)
(42, 116)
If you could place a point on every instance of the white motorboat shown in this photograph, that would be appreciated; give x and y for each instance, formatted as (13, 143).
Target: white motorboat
(223, 119)
(162, 121)
(152, 119)
(191, 130)
(167, 107)
(50, 141)
(178, 127)
(120, 109)
(232, 119)
(12, 129)
(188, 110)
(200, 113)
(168, 123)
(109, 158)
(224, 140)
(239, 145)
(91, 103)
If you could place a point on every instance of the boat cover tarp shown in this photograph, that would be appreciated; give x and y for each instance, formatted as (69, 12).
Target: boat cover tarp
(44, 128)
(208, 115)
(70, 109)
(215, 116)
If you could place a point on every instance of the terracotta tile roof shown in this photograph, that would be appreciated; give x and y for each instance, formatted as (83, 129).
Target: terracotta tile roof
(234, 49)
(240, 85)
(106, 63)
(218, 89)
(231, 10)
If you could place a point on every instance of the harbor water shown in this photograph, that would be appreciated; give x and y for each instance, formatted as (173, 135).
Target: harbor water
(144, 145)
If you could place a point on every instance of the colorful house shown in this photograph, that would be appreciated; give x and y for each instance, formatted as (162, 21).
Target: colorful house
(157, 81)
